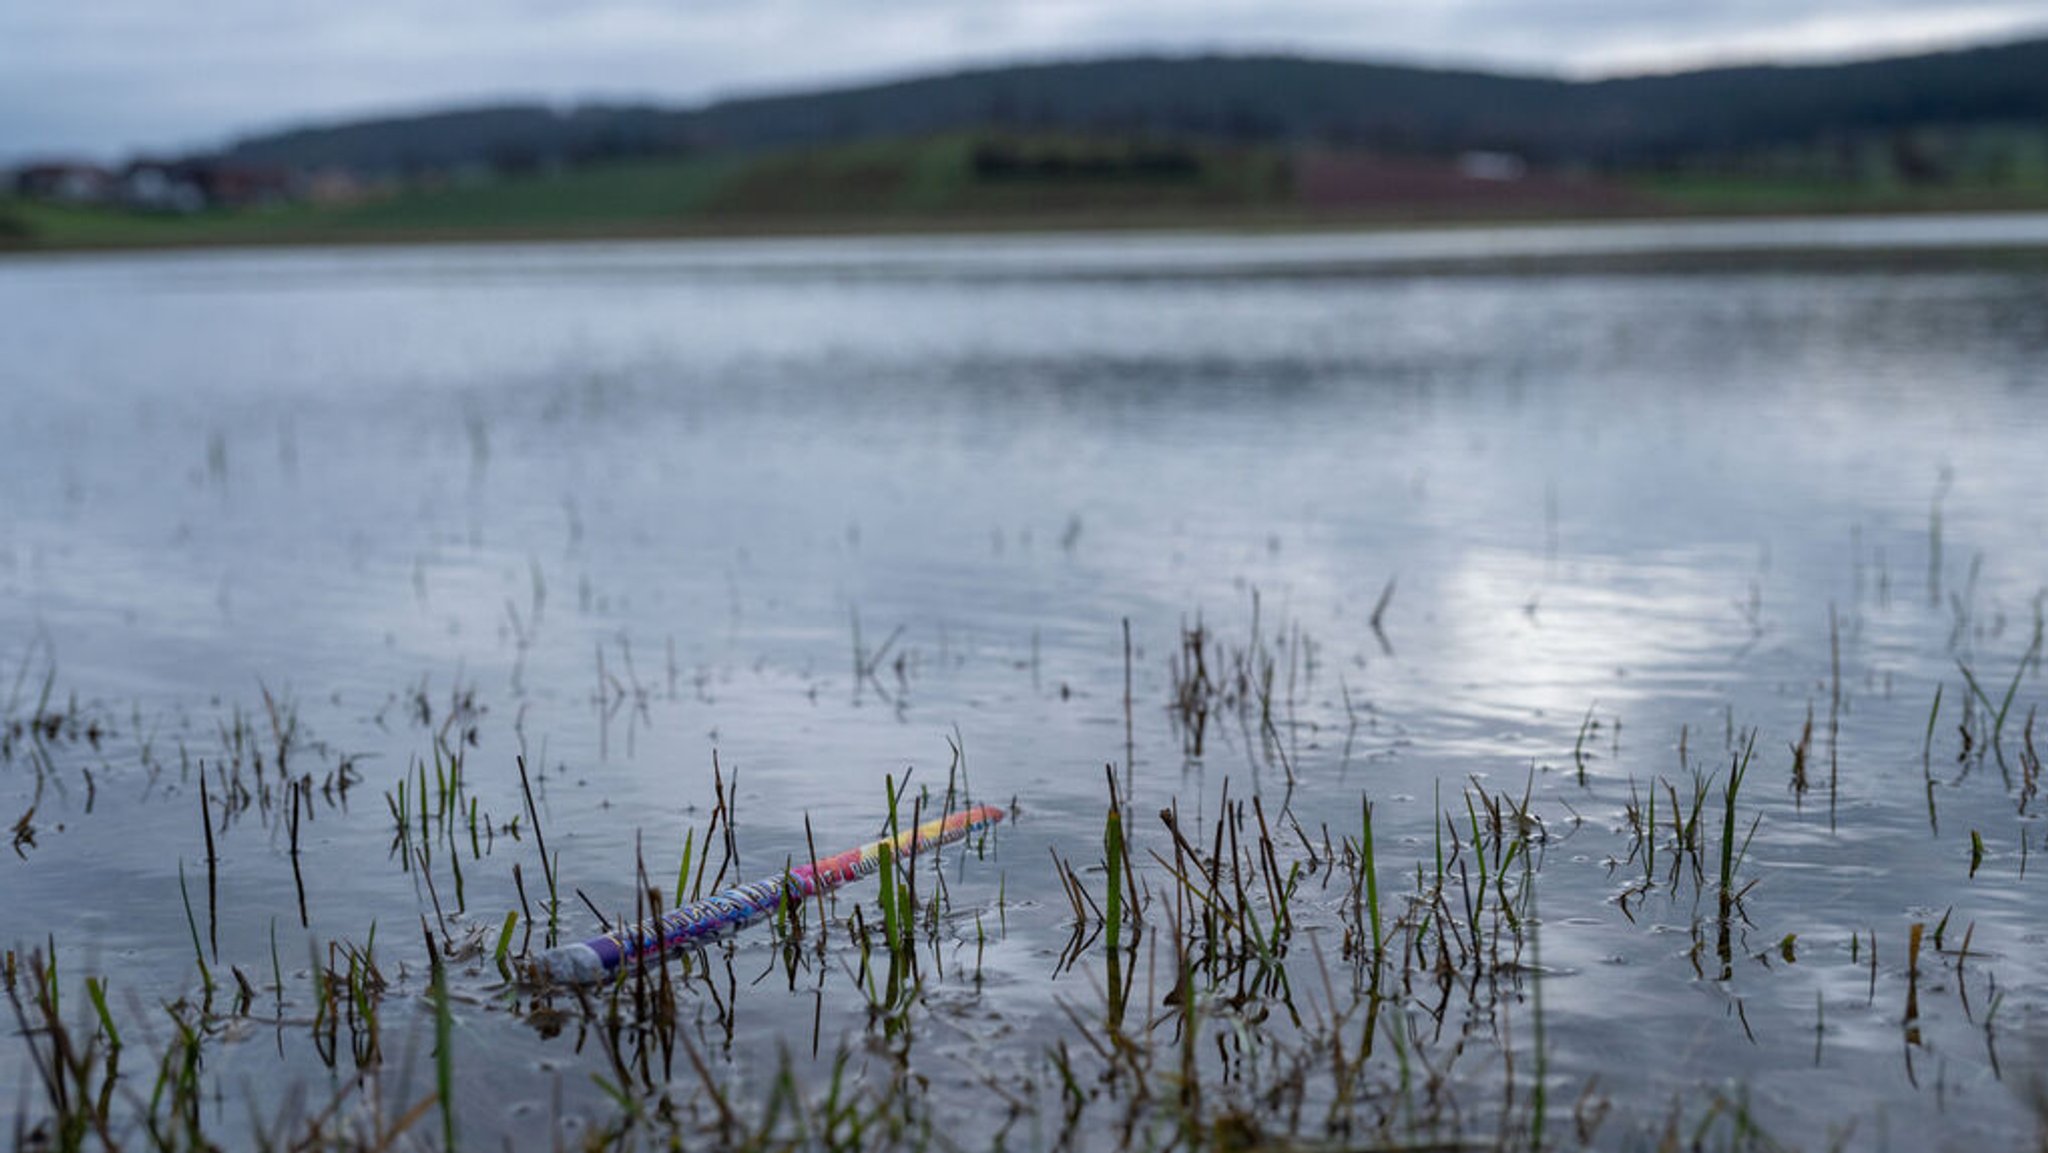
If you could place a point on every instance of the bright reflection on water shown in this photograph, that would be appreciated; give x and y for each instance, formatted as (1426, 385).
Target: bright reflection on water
(639, 498)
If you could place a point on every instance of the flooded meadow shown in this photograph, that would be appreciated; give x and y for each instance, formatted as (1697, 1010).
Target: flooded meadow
(1548, 687)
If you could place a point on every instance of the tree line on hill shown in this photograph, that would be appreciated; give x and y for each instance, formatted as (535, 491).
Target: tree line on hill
(1919, 116)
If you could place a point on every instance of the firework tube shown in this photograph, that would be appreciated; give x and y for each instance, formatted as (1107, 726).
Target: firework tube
(742, 905)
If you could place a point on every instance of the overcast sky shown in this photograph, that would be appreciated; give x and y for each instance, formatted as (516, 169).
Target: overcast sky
(105, 78)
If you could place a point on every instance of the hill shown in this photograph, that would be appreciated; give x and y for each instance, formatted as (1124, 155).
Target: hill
(1717, 116)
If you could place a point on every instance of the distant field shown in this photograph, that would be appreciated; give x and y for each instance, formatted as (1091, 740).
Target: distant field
(966, 181)
(1706, 195)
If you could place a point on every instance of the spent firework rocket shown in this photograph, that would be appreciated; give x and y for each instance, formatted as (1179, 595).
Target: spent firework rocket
(742, 905)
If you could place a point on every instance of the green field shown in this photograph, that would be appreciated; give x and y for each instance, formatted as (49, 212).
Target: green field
(645, 196)
(1734, 195)
(959, 181)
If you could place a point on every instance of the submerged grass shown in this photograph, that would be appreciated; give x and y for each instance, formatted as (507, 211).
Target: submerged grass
(1252, 1041)
(1237, 972)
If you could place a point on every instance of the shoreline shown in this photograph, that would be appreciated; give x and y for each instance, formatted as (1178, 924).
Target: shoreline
(2030, 250)
(255, 231)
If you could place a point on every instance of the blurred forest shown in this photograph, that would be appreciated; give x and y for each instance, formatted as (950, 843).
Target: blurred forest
(1920, 117)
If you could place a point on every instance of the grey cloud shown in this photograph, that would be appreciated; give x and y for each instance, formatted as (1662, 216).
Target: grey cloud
(119, 75)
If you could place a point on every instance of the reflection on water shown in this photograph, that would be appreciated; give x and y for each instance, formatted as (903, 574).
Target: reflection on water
(824, 506)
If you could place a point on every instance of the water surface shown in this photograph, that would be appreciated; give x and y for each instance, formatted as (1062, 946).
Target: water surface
(825, 509)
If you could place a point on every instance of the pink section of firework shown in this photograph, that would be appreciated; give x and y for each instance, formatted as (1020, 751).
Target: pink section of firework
(831, 872)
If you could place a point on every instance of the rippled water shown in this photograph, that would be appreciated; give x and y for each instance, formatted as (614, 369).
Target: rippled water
(644, 504)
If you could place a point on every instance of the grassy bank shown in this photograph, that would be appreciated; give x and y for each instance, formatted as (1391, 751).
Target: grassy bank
(891, 186)
(1722, 195)
(962, 182)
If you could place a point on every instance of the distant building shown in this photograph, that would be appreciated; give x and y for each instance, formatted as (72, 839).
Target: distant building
(239, 185)
(1502, 166)
(152, 185)
(161, 186)
(336, 187)
(65, 182)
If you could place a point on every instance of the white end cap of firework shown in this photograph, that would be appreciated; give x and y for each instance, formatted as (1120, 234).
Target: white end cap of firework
(571, 965)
